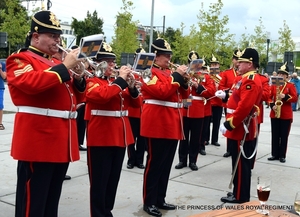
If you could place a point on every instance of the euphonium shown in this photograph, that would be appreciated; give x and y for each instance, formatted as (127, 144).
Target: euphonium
(278, 103)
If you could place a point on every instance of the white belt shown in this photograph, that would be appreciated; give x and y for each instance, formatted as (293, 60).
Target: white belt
(110, 113)
(47, 112)
(164, 103)
(230, 111)
(197, 98)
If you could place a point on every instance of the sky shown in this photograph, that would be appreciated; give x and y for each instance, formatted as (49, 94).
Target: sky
(243, 15)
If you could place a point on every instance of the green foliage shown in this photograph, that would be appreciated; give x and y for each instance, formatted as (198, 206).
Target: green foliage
(180, 46)
(89, 26)
(14, 21)
(125, 39)
(257, 41)
(285, 41)
(213, 36)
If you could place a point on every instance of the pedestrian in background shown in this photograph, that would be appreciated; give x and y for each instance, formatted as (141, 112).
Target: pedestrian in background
(296, 81)
(2, 88)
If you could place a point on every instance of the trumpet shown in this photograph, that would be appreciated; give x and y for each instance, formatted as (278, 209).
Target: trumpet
(79, 68)
(145, 75)
(99, 68)
(175, 66)
(214, 74)
(217, 78)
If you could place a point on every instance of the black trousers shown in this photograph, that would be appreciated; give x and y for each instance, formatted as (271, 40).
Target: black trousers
(190, 146)
(280, 129)
(216, 118)
(242, 178)
(228, 146)
(39, 188)
(156, 175)
(105, 164)
(81, 124)
(136, 151)
(204, 132)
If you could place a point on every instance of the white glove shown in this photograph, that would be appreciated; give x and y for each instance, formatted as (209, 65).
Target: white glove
(221, 94)
(222, 129)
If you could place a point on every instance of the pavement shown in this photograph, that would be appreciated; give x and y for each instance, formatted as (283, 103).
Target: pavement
(192, 191)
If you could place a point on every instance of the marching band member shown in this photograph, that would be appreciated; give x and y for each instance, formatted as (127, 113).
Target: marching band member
(45, 134)
(161, 124)
(216, 105)
(108, 130)
(281, 114)
(228, 78)
(209, 84)
(136, 150)
(192, 122)
(241, 108)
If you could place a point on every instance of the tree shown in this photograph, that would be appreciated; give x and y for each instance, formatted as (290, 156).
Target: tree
(180, 46)
(285, 40)
(125, 39)
(214, 37)
(259, 42)
(89, 26)
(15, 23)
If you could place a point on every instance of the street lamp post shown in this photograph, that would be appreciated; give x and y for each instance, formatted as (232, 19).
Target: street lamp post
(151, 28)
(268, 43)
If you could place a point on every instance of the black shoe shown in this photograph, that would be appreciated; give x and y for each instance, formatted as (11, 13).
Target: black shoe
(166, 206)
(216, 144)
(282, 160)
(206, 143)
(130, 166)
(227, 154)
(140, 166)
(180, 165)
(273, 158)
(67, 177)
(202, 152)
(152, 210)
(231, 199)
(229, 194)
(81, 148)
(193, 166)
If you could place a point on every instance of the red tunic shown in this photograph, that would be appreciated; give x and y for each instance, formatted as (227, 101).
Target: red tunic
(35, 83)
(105, 95)
(290, 91)
(265, 97)
(197, 108)
(209, 83)
(246, 93)
(216, 101)
(228, 77)
(159, 121)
